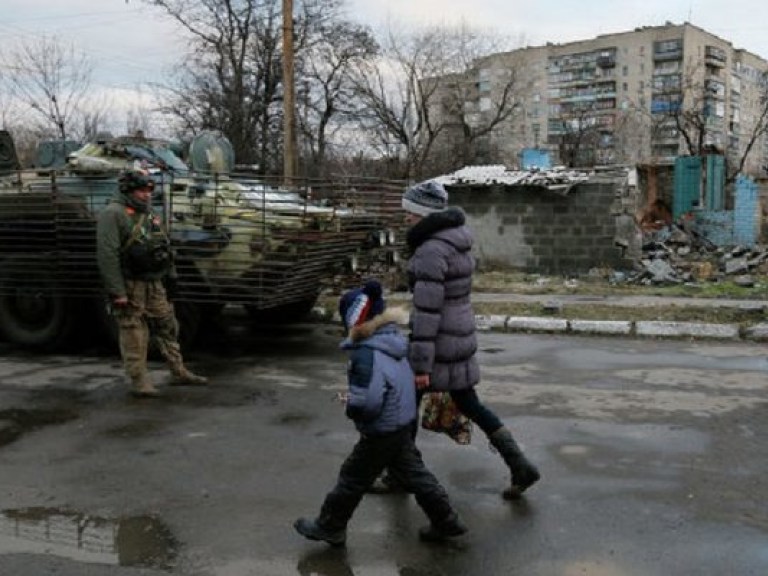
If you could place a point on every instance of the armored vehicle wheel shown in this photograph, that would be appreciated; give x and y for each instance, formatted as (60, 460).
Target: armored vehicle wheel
(285, 313)
(31, 314)
(189, 316)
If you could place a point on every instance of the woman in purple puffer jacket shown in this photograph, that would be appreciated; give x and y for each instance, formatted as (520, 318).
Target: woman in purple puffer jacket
(443, 343)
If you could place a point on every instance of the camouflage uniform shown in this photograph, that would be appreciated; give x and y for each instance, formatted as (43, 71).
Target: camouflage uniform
(124, 225)
(147, 305)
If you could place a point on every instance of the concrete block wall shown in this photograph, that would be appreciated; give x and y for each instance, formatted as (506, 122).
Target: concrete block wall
(536, 230)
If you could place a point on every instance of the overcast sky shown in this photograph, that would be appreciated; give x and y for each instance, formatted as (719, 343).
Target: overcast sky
(743, 22)
(131, 43)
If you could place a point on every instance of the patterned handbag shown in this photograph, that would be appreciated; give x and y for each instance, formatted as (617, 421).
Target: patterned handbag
(440, 414)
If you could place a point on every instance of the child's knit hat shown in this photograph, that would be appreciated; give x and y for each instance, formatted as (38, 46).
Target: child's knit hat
(361, 304)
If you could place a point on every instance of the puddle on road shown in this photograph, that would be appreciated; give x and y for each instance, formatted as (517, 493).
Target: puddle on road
(141, 541)
(334, 562)
(15, 422)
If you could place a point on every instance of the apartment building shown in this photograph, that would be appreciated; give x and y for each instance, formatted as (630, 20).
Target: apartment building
(622, 98)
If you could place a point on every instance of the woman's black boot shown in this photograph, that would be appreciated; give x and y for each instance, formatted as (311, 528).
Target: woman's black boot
(524, 474)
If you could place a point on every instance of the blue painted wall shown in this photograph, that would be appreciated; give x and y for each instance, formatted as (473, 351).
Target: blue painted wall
(535, 158)
(739, 226)
(746, 230)
(687, 185)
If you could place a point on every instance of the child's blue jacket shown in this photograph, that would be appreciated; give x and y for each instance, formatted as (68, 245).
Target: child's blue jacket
(382, 393)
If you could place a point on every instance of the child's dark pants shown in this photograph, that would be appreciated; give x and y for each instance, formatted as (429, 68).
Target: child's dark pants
(370, 456)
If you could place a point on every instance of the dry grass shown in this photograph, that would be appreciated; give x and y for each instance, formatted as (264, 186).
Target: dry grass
(530, 284)
(588, 311)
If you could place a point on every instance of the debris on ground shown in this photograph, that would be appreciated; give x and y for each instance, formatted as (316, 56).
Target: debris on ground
(675, 254)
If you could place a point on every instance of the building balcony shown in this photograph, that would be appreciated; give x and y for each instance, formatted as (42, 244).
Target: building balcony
(666, 90)
(606, 61)
(578, 98)
(668, 55)
(660, 107)
(666, 71)
(714, 56)
(665, 140)
(714, 62)
(571, 66)
(573, 82)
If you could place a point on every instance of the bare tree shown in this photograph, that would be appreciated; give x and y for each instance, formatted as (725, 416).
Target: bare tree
(232, 81)
(758, 130)
(397, 104)
(480, 96)
(327, 97)
(52, 79)
(420, 88)
(214, 87)
(9, 112)
(695, 107)
(685, 104)
(632, 134)
(579, 136)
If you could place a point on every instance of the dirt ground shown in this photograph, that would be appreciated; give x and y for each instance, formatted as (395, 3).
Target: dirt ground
(600, 285)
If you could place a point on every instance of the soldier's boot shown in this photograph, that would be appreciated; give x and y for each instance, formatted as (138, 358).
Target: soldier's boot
(142, 387)
(183, 377)
(317, 530)
(524, 474)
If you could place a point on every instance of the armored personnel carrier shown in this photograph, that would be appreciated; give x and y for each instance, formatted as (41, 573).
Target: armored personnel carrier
(238, 239)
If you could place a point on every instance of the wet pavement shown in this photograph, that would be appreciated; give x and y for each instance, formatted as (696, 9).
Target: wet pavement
(653, 457)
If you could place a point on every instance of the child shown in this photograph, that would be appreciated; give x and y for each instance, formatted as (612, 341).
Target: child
(382, 403)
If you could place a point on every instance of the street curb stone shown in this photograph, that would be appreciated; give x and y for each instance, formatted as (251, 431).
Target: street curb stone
(699, 330)
(601, 326)
(536, 323)
(490, 322)
(757, 332)
(658, 329)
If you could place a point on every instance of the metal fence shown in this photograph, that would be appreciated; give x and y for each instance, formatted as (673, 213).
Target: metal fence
(236, 238)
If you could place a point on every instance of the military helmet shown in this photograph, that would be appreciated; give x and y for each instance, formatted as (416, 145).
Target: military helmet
(131, 180)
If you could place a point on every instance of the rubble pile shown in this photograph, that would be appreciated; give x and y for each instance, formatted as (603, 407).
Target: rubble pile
(556, 179)
(676, 255)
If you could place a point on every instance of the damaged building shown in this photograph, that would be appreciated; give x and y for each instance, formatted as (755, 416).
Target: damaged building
(655, 224)
(553, 221)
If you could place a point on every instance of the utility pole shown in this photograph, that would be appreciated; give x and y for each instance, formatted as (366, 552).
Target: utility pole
(289, 107)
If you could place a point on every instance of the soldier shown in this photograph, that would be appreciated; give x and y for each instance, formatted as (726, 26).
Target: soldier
(134, 257)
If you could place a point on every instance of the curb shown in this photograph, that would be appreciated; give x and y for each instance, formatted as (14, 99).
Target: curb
(628, 328)
(636, 328)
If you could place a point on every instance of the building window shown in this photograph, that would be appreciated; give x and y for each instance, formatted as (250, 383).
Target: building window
(624, 70)
(485, 104)
(624, 86)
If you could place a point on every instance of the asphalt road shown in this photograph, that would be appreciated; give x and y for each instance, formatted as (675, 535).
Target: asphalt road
(653, 455)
